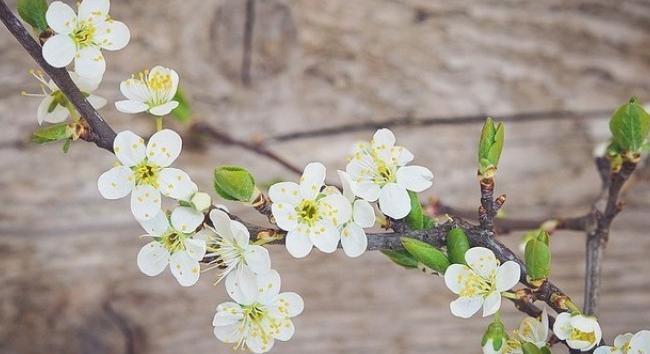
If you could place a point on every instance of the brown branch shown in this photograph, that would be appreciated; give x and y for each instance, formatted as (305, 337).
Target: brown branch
(100, 133)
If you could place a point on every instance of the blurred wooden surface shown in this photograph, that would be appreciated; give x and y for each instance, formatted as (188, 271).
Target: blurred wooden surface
(69, 283)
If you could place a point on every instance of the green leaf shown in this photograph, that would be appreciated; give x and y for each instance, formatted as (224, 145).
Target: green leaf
(457, 245)
(234, 183)
(426, 254)
(182, 113)
(530, 348)
(538, 259)
(415, 218)
(33, 12)
(52, 133)
(490, 147)
(66, 146)
(630, 125)
(402, 258)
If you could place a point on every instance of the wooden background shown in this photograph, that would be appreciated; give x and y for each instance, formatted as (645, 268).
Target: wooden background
(68, 279)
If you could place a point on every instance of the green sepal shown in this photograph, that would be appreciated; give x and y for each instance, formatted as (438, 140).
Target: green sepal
(630, 125)
(426, 254)
(538, 257)
(415, 217)
(234, 183)
(428, 222)
(401, 258)
(457, 245)
(186, 204)
(497, 332)
(490, 147)
(182, 113)
(66, 146)
(52, 133)
(546, 350)
(530, 348)
(33, 12)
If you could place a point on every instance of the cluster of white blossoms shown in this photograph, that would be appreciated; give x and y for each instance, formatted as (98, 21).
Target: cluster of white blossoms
(315, 215)
(628, 343)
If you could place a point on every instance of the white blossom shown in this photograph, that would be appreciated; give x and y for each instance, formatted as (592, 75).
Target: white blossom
(379, 172)
(150, 91)
(145, 173)
(309, 217)
(530, 330)
(82, 37)
(628, 343)
(54, 108)
(175, 244)
(256, 319)
(480, 282)
(640, 343)
(580, 332)
(229, 242)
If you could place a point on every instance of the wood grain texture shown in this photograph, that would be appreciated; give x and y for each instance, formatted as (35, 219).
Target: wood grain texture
(67, 257)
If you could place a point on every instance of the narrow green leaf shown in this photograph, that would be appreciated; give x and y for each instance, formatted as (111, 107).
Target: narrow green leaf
(415, 218)
(538, 259)
(33, 12)
(426, 254)
(630, 125)
(66, 146)
(182, 113)
(401, 258)
(52, 133)
(457, 245)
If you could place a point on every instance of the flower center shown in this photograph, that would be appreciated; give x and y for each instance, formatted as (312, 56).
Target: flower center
(84, 33)
(308, 212)
(160, 82)
(577, 334)
(58, 99)
(384, 173)
(173, 241)
(475, 285)
(146, 173)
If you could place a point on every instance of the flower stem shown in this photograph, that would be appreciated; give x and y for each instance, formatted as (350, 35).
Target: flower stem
(159, 123)
(509, 295)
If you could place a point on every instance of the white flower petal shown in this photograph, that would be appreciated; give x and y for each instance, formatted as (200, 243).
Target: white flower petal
(94, 8)
(363, 214)
(257, 344)
(112, 35)
(402, 155)
(257, 259)
(227, 313)
(96, 101)
(153, 258)
(562, 326)
(228, 333)
(59, 50)
(163, 109)
(346, 183)
(455, 277)
(60, 17)
(414, 178)
(176, 184)
(164, 147)
(325, 236)
(336, 208)
(89, 62)
(195, 248)
(607, 350)
(640, 343)
(130, 106)
(465, 307)
(394, 201)
(135, 90)
(507, 276)
(157, 226)
(285, 216)
(186, 219)
(482, 261)
(57, 115)
(290, 304)
(367, 191)
(285, 192)
(312, 180)
(353, 240)
(145, 202)
(85, 84)
(116, 183)
(298, 242)
(383, 139)
(623, 339)
(491, 304)
(240, 234)
(161, 71)
(129, 148)
(284, 331)
(221, 223)
(241, 285)
(185, 269)
(268, 287)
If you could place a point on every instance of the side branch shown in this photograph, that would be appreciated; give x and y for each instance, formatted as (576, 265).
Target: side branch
(100, 132)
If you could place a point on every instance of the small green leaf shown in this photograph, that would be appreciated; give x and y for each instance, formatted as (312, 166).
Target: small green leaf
(415, 218)
(234, 183)
(33, 12)
(52, 133)
(457, 245)
(538, 259)
(530, 348)
(426, 254)
(630, 125)
(402, 258)
(66, 146)
(182, 113)
(490, 147)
